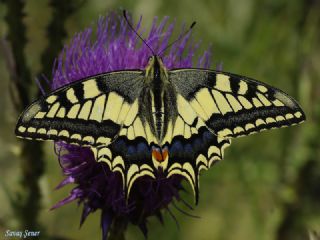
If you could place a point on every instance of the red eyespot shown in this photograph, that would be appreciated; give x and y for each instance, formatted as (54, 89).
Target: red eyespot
(165, 153)
(160, 154)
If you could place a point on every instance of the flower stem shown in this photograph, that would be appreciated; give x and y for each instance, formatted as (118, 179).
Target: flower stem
(27, 203)
(118, 228)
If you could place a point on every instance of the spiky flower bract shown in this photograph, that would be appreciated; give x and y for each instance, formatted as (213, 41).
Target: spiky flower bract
(111, 46)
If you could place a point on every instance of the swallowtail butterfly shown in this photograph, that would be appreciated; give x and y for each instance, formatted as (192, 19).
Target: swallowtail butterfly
(176, 121)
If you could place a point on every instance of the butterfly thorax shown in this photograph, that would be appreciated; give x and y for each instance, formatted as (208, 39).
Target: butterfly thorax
(158, 98)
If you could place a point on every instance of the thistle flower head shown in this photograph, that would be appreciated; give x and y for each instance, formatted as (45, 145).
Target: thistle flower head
(111, 46)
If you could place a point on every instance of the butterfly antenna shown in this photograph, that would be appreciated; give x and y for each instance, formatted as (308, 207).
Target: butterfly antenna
(177, 40)
(132, 28)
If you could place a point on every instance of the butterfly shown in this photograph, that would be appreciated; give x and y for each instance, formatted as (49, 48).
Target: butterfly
(140, 122)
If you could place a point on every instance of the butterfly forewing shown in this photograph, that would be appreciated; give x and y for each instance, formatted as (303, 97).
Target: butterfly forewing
(233, 105)
(87, 112)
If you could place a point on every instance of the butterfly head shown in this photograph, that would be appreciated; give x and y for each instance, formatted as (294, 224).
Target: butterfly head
(155, 69)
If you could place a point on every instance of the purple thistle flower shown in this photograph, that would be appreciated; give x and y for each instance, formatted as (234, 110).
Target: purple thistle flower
(114, 46)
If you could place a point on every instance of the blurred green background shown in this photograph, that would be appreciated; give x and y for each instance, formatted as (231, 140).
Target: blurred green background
(268, 185)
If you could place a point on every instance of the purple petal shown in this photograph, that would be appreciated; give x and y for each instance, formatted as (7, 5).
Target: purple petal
(106, 221)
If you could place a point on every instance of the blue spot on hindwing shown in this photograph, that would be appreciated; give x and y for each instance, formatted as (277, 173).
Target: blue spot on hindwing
(120, 145)
(143, 151)
(207, 137)
(131, 151)
(176, 149)
(197, 143)
(188, 151)
(142, 148)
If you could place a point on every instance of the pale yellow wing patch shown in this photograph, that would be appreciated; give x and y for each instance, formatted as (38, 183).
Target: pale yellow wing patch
(232, 105)
(88, 112)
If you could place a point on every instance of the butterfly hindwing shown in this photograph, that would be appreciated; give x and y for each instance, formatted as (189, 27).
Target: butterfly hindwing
(191, 146)
(86, 112)
(131, 158)
(191, 153)
(232, 105)
(130, 153)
